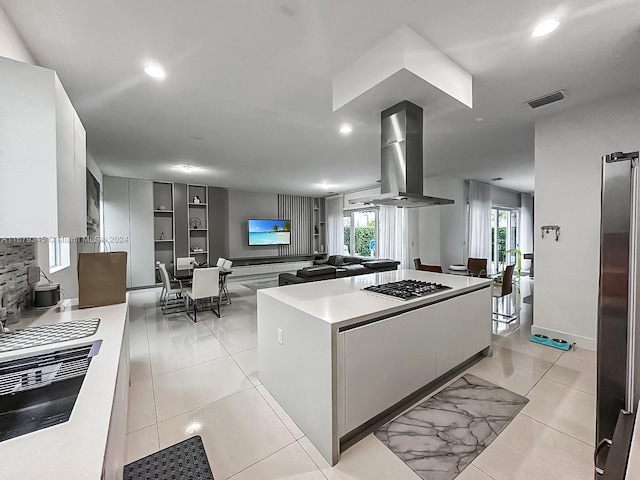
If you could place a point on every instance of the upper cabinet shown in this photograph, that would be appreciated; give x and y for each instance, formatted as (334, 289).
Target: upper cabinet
(42, 155)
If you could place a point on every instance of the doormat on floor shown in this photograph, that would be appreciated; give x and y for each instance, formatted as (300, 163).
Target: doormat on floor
(440, 437)
(186, 460)
(255, 286)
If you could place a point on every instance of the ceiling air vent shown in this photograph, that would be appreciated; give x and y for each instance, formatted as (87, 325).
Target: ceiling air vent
(547, 99)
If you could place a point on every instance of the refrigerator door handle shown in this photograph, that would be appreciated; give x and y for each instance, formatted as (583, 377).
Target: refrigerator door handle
(604, 442)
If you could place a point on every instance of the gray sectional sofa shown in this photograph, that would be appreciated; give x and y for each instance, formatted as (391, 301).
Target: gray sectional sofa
(337, 266)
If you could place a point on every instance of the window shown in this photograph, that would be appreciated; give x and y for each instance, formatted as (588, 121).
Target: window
(59, 254)
(504, 237)
(361, 232)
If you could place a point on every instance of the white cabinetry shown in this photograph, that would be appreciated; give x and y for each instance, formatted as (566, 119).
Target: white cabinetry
(128, 225)
(42, 155)
(387, 360)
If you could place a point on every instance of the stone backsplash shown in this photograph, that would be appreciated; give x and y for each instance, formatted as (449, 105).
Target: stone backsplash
(14, 260)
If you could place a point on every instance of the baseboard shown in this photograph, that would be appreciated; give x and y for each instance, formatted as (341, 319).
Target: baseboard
(582, 342)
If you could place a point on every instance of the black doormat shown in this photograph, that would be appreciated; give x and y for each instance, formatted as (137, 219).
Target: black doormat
(186, 460)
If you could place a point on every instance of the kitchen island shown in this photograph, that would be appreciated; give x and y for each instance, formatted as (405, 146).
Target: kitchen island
(341, 360)
(90, 445)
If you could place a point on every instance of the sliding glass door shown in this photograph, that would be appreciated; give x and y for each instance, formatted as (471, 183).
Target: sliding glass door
(504, 237)
(361, 232)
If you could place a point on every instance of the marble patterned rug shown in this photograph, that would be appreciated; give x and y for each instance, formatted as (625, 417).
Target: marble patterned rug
(441, 436)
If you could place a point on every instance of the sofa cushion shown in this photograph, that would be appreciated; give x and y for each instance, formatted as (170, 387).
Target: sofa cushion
(317, 271)
(351, 270)
(289, 279)
(335, 260)
(379, 264)
(352, 260)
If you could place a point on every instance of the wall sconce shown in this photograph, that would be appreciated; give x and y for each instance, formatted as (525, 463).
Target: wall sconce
(549, 228)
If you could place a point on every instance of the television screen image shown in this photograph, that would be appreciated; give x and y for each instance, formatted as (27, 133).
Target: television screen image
(269, 232)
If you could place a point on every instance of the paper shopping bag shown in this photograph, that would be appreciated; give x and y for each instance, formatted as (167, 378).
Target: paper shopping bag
(102, 278)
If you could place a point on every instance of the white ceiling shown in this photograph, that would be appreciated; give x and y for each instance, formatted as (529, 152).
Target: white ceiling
(248, 90)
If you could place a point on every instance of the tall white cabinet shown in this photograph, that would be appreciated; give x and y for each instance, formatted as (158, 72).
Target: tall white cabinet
(128, 224)
(42, 155)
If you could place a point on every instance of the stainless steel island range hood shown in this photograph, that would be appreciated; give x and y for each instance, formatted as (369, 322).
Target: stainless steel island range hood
(401, 160)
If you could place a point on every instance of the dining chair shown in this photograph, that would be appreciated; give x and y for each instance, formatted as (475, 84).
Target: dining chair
(477, 267)
(500, 293)
(185, 263)
(426, 268)
(169, 288)
(206, 284)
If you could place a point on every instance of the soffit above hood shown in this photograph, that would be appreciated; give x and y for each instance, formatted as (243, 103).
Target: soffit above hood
(401, 160)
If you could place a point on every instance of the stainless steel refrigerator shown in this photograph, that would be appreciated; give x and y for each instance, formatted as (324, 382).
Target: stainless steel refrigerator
(618, 379)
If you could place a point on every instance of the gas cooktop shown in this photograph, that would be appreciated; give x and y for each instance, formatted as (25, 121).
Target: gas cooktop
(407, 289)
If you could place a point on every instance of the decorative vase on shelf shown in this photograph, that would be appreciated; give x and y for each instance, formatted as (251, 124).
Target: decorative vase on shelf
(162, 236)
(196, 199)
(315, 229)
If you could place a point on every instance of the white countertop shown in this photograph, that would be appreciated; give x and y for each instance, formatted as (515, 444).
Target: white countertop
(342, 301)
(74, 449)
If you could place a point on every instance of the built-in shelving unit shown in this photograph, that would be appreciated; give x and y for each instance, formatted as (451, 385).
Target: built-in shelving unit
(198, 225)
(319, 226)
(163, 224)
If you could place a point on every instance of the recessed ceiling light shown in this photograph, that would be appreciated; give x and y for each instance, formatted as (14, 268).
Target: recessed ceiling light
(545, 27)
(155, 71)
(186, 168)
(479, 119)
(346, 128)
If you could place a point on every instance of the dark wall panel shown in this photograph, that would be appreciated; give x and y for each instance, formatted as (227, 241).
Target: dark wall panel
(218, 200)
(181, 216)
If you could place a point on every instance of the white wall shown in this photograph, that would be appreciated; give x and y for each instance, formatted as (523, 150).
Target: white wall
(11, 43)
(442, 229)
(567, 167)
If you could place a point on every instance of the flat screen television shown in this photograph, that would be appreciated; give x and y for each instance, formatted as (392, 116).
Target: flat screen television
(269, 232)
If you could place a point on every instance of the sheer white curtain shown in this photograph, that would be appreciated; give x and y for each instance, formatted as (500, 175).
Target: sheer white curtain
(393, 237)
(479, 220)
(335, 225)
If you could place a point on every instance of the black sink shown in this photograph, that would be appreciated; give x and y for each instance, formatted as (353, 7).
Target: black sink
(31, 400)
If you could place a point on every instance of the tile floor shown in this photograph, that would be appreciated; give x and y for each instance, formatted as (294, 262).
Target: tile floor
(203, 379)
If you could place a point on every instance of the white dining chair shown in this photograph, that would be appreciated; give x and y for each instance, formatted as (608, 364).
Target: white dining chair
(170, 287)
(185, 263)
(206, 284)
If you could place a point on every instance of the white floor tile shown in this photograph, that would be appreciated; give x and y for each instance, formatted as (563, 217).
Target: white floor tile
(140, 368)
(182, 390)
(141, 443)
(239, 318)
(240, 340)
(165, 331)
(582, 354)
(248, 362)
(237, 432)
(573, 372)
(282, 414)
(473, 473)
(290, 463)
(183, 353)
(505, 375)
(369, 459)
(141, 412)
(527, 449)
(566, 409)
